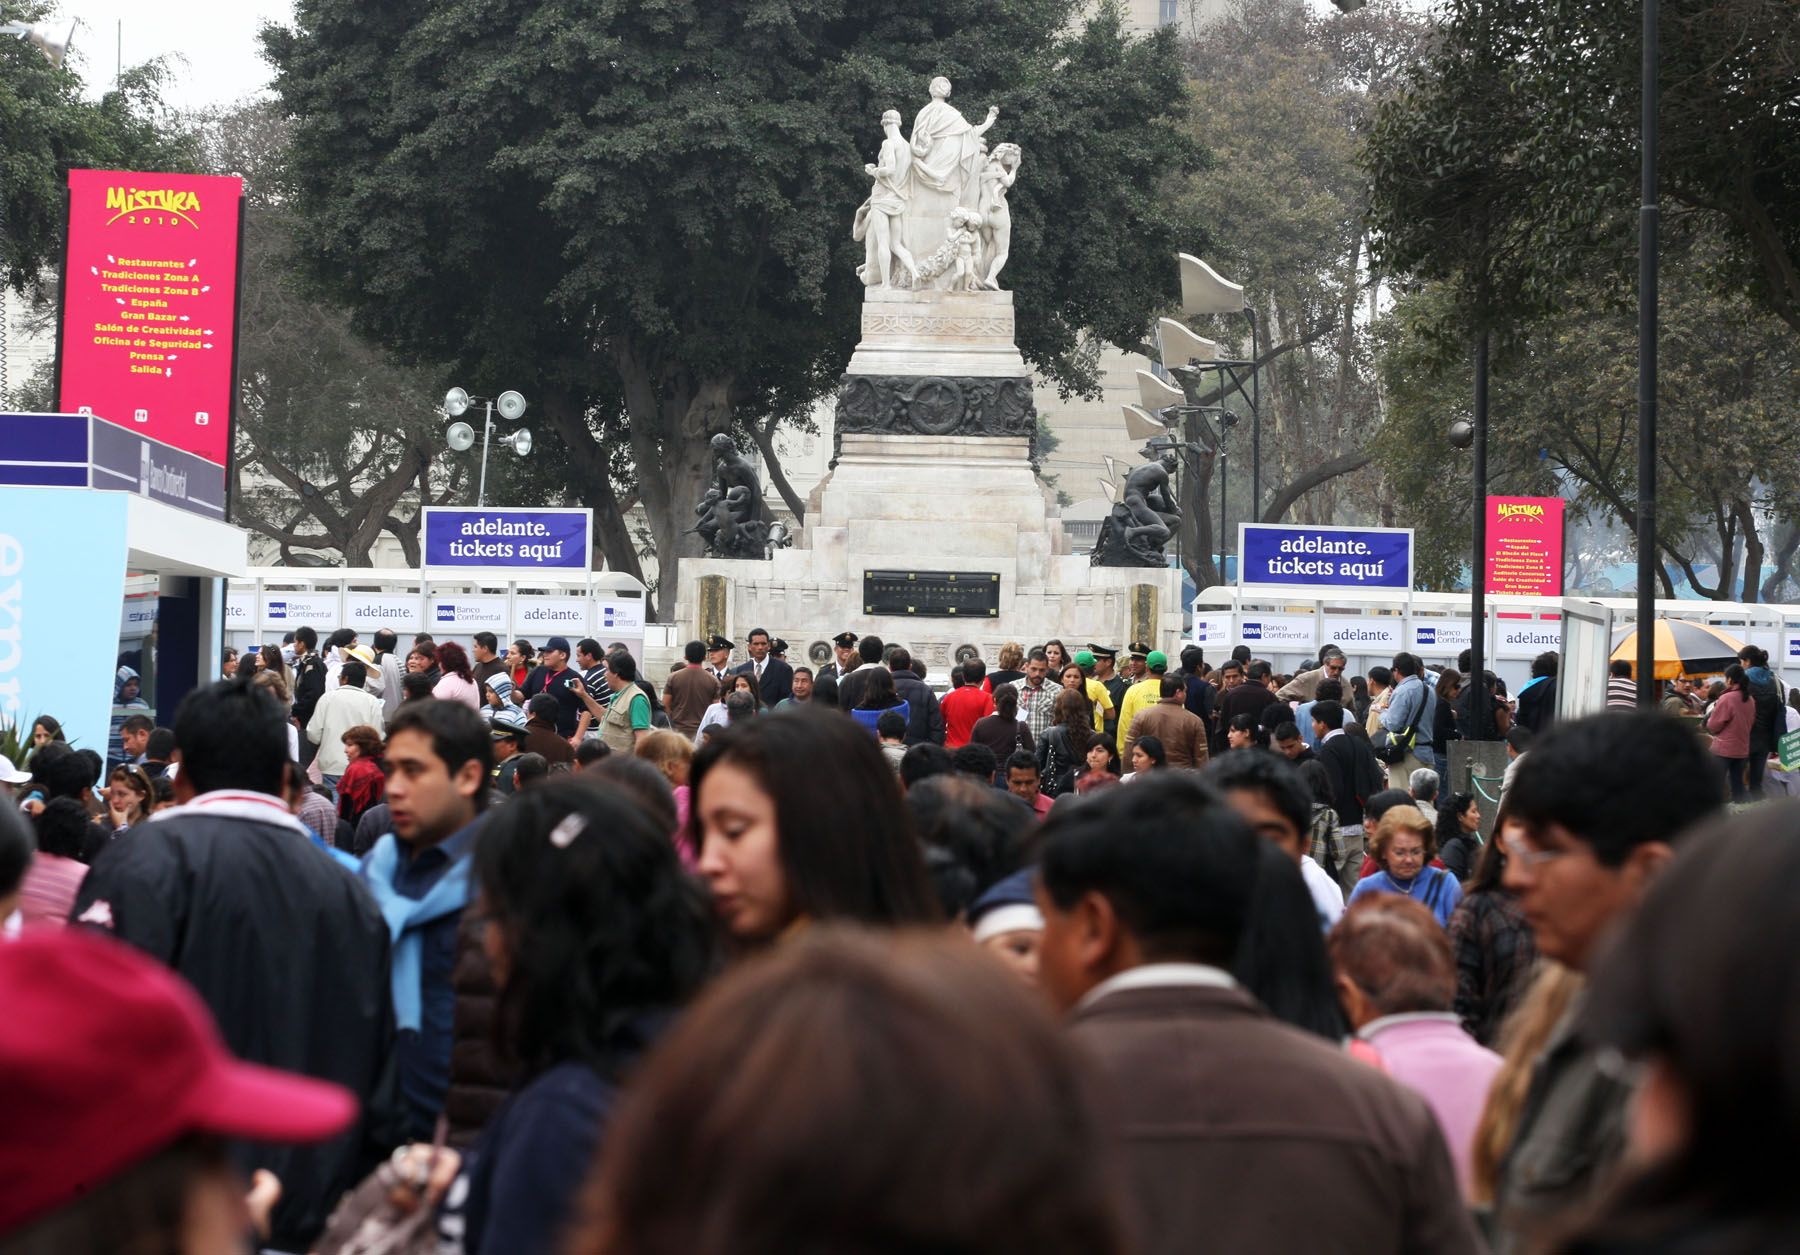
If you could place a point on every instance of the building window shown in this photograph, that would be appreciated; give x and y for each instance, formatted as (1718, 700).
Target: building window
(1167, 12)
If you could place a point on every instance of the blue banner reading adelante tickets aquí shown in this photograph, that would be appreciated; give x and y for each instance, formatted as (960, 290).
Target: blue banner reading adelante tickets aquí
(511, 539)
(1324, 557)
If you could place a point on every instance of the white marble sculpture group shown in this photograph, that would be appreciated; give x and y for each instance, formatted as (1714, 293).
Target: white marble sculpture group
(936, 217)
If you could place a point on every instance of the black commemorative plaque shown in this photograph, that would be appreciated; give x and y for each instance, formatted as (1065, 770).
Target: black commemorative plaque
(932, 594)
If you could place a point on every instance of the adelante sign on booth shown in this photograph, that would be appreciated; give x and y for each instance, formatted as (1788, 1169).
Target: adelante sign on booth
(513, 540)
(1278, 555)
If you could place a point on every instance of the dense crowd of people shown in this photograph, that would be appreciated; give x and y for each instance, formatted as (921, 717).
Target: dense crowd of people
(518, 950)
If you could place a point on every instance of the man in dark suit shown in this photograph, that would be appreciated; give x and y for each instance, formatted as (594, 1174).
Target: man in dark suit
(774, 678)
(1355, 777)
(1237, 1132)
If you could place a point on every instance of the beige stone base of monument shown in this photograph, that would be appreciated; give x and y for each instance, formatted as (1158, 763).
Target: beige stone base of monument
(937, 504)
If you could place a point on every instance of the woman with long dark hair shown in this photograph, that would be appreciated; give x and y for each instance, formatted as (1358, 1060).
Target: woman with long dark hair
(1062, 750)
(1443, 716)
(773, 843)
(594, 937)
(1003, 731)
(1459, 834)
(878, 697)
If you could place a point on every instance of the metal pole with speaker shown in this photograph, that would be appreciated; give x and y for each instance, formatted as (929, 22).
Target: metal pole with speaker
(461, 437)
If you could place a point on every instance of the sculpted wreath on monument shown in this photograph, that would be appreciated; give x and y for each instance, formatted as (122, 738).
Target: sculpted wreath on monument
(936, 217)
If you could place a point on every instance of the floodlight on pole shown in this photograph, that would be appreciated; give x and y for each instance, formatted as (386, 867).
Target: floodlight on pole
(461, 436)
(46, 40)
(1140, 424)
(1206, 291)
(1181, 346)
(1158, 394)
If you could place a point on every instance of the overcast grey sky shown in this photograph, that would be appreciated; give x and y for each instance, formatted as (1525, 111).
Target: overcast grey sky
(211, 43)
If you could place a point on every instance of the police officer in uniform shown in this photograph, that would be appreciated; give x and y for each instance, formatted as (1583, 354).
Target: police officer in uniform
(844, 646)
(1105, 657)
(718, 657)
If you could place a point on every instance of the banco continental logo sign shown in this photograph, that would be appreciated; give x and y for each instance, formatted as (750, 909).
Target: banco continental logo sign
(1529, 511)
(152, 203)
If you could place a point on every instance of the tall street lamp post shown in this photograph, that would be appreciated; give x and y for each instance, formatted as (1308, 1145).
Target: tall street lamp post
(1646, 398)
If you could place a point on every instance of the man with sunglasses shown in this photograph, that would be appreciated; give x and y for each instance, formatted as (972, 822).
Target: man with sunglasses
(1595, 811)
(1305, 686)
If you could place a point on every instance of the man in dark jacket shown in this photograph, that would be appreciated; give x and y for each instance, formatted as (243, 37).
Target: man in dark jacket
(774, 678)
(1248, 698)
(1537, 699)
(924, 719)
(285, 946)
(850, 687)
(1356, 776)
(439, 757)
(1145, 894)
(309, 683)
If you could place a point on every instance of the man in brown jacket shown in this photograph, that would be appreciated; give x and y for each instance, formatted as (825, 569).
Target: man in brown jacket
(541, 736)
(1182, 733)
(1238, 1132)
(690, 692)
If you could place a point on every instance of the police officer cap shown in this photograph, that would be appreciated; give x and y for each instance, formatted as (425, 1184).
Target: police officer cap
(719, 642)
(844, 640)
(1102, 651)
(1139, 649)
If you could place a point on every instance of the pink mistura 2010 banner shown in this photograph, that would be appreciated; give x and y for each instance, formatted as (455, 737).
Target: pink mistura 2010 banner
(1525, 546)
(149, 316)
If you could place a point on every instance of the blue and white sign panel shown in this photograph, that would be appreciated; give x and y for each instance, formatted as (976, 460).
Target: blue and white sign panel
(62, 581)
(81, 451)
(1277, 555)
(513, 540)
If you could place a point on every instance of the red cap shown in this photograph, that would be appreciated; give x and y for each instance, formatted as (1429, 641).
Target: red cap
(108, 1057)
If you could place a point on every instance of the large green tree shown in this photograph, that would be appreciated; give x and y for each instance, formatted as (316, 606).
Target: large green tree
(1509, 161)
(335, 443)
(638, 213)
(48, 128)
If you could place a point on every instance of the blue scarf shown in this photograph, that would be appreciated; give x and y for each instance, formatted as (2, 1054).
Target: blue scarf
(404, 918)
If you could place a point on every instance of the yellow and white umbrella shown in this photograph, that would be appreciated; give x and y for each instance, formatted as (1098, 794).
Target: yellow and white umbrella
(1683, 647)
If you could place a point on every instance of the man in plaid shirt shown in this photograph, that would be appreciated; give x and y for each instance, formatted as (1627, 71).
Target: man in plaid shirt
(1037, 696)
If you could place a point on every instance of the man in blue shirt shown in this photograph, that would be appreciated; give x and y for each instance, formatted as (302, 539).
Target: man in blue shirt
(1412, 706)
(439, 757)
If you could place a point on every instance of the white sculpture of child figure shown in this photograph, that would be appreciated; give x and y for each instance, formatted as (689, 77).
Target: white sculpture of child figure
(962, 238)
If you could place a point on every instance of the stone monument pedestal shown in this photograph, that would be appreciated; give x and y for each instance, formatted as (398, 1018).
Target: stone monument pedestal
(907, 504)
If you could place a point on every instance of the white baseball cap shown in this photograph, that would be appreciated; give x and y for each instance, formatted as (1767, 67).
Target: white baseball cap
(10, 774)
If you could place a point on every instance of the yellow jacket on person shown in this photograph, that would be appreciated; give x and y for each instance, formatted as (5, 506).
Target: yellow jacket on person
(1145, 693)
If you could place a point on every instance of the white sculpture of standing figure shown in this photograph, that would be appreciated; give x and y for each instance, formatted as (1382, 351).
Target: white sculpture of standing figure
(946, 157)
(997, 178)
(878, 218)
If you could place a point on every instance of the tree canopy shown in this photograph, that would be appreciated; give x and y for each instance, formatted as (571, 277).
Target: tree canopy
(638, 214)
(48, 129)
(1509, 160)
